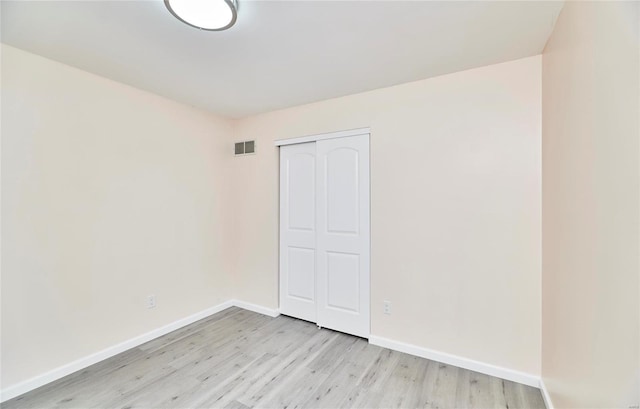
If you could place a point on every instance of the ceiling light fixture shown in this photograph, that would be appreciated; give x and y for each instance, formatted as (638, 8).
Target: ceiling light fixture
(211, 15)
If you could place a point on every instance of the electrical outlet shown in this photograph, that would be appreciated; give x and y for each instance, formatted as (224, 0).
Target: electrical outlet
(387, 307)
(151, 301)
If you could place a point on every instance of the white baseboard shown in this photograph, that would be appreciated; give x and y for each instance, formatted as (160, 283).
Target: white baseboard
(466, 363)
(256, 308)
(64, 370)
(545, 395)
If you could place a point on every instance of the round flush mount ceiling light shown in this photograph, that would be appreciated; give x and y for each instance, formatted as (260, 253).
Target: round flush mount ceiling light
(211, 15)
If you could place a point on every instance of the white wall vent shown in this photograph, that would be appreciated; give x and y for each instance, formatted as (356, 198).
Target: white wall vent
(245, 148)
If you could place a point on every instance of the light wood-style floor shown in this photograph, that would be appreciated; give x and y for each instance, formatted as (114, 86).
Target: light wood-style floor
(240, 359)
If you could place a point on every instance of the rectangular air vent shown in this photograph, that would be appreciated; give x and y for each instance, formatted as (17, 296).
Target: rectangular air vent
(245, 148)
(250, 147)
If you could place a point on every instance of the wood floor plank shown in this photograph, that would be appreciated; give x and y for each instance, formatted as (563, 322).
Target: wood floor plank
(236, 405)
(206, 381)
(76, 382)
(296, 392)
(297, 349)
(480, 391)
(443, 389)
(401, 381)
(282, 375)
(336, 352)
(189, 329)
(497, 391)
(522, 396)
(238, 359)
(344, 374)
(426, 388)
(381, 369)
(415, 390)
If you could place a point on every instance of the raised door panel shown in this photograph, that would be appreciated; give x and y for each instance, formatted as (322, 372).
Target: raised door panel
(302, 273)
(342, 201)
(343, 280)
(300, 186)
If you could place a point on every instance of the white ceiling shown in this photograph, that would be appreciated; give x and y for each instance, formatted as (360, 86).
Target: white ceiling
(279, 53)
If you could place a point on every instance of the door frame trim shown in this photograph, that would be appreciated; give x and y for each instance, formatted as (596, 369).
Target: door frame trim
(320, 137)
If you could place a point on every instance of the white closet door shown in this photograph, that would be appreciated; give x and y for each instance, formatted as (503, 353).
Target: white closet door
(298, 231)
(343, 234)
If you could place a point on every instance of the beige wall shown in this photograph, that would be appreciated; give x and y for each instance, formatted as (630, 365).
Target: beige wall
(109, 194)
(590, 333)
(455, 202)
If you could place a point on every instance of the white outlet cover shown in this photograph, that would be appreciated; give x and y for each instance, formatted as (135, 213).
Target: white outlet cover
(151, 301)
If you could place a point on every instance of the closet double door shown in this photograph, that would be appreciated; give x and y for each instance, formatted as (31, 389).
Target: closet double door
(324, 233)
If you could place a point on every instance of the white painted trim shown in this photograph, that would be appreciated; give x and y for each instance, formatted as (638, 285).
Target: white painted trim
(271, 312)
(64, 370)
(320, 137)
(482, 367)
(545, 395)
